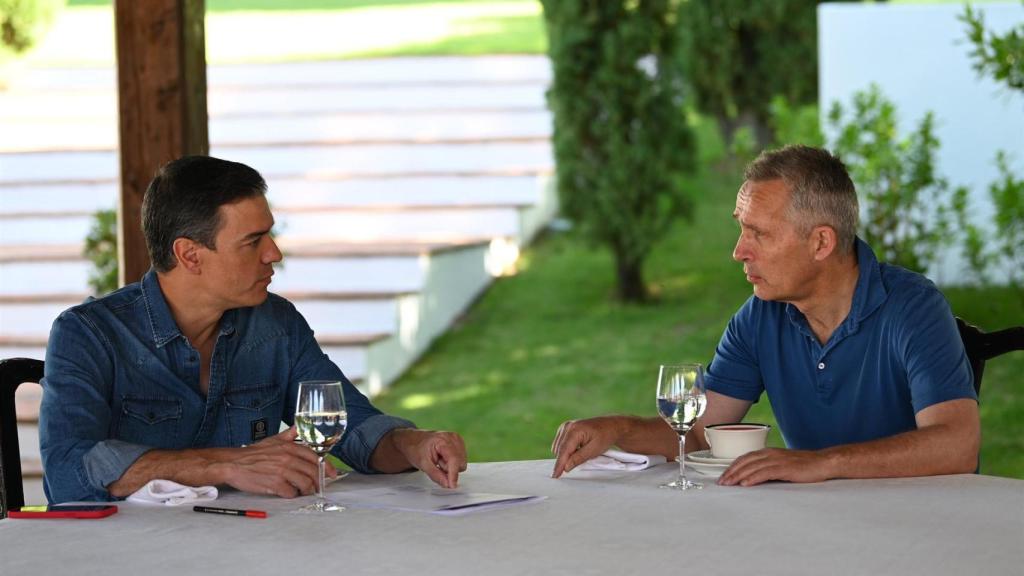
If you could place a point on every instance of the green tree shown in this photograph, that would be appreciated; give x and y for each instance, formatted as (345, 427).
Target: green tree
(620, 136)
(739, 54)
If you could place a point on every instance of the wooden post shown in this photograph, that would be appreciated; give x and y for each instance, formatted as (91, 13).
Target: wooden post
(161, 77)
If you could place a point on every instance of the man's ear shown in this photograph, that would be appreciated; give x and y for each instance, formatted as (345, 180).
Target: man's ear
(188, 255)
(823, 242)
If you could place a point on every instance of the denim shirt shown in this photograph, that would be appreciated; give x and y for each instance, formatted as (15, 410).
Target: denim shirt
(121, 379)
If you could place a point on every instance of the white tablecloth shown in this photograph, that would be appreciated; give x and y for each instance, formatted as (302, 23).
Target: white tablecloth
(592, 523)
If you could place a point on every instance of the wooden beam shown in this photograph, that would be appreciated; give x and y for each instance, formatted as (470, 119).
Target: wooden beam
(161, 77)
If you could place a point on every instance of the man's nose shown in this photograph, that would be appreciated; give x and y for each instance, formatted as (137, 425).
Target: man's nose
(272, 253)
(740, 253)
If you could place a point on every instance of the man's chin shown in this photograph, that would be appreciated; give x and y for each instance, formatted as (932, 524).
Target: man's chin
(259, 297)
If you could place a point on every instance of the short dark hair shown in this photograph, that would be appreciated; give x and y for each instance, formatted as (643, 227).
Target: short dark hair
(184, 200)
(821, 191)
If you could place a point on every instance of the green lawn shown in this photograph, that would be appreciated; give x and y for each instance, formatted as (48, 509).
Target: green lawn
(246, 31)
(550, 344)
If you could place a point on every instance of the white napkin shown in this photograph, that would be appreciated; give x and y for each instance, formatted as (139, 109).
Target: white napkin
(618, 460)
(171, 493)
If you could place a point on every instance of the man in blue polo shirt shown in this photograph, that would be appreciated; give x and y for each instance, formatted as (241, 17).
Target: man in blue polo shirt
(861, 361)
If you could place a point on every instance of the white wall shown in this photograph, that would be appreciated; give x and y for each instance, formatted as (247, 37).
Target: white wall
(918, 55)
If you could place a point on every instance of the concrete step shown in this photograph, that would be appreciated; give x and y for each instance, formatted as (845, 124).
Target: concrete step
(52, 134)
(19, 105)
(348, 351)
(326, 313)
(309, 267)
(303, 224)
(371, 72)
(314, 162)
(434, 191)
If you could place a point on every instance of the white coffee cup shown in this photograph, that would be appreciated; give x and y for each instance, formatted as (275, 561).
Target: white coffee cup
(735, 440)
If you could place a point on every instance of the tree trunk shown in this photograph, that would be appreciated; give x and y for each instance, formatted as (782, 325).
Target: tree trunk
(630, 275)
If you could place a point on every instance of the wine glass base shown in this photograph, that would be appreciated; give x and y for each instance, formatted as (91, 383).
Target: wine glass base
(682, 485)
(322, 506)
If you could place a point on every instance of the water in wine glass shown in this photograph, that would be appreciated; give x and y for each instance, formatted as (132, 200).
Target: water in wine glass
(681, 401)
(320, 430)
(320, 422)
(682, 412)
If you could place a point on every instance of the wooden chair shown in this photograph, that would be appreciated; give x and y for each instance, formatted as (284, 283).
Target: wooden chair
(13, 373)
(982, 346)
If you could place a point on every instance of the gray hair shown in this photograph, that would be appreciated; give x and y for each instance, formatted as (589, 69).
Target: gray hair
(821, 191)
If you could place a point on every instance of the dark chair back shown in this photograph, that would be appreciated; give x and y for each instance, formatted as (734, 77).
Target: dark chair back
(982, 346)
(13, 373)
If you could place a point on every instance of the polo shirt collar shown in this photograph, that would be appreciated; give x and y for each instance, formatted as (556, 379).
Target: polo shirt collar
(870, 292)
(868, 295)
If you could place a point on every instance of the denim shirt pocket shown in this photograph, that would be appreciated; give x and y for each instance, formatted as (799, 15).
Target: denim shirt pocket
(252, 413)
(150, 421)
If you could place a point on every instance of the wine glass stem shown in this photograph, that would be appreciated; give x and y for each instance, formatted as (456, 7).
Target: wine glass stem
(682, 458)
(320, 486)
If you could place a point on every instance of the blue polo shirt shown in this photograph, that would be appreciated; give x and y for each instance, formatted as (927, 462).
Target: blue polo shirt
(896, 353)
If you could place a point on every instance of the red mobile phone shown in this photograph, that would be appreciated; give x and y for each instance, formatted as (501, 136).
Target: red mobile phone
(73, 511)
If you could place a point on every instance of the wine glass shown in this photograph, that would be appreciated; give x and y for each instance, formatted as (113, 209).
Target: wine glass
(320, 421)
(681, 400)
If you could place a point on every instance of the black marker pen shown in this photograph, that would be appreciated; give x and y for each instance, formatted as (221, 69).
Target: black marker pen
(231, 511)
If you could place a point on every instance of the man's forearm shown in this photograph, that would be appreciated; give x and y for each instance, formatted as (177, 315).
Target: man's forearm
(189, 467)
(387, 457)
(928, 451)
(647, 436)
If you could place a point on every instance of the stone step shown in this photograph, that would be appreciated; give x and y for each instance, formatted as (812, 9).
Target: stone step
(435, 191)
(101, 134)
(310, 267)
(326, 313)
(312, 162)
(348, 351)
(287, 101)
(410, 71)
(303, 224)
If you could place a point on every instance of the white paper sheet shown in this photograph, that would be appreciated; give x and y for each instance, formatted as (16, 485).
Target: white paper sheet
(431, 500)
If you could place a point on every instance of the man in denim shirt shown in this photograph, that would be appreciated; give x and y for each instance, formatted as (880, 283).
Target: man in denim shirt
(862, 361)
(188, 374)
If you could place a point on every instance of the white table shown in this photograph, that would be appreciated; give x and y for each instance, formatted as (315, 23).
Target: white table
(592, 523)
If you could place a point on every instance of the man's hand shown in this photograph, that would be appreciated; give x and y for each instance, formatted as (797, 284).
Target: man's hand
(440, 455)
(275, 465)
(777, 464)
(580, 440)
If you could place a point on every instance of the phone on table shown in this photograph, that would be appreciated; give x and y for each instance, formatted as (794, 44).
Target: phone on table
(67, 511)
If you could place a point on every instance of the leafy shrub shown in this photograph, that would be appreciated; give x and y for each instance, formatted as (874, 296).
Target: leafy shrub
(795, 124)
(999, 56)
(908, 206)
(620, 137)
(1006, 247)
(101, 249)
(23, 23)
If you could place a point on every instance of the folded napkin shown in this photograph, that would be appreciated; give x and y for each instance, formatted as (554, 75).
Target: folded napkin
(618, 460)
(171, 493)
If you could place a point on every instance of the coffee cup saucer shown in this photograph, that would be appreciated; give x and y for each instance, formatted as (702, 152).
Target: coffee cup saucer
(705, 457)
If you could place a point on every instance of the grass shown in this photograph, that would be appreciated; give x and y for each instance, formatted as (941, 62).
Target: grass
(550, 344)
(249, 31)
